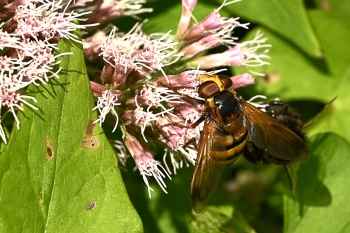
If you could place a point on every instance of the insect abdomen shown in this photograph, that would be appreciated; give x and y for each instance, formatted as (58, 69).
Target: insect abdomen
(228, 146)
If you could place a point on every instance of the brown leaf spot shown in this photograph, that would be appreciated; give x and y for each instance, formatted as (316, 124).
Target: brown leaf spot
(49, 150)
(90, 128)
(91, 142)
(90, 206)
(272, 77)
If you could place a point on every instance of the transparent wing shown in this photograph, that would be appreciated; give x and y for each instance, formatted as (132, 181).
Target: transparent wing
(270, 135)
(208, 168)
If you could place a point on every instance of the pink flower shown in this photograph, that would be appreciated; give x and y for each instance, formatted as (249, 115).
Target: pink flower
(10, 98)
(242, 80)
(28, 36)
(106, 103)
(109, 10)
(148, 83)
(250, 54)
(231, 57)
(92, 45)
(145, 163)
(204, 44)
(213, 24)
(210, 24)
(186, 16)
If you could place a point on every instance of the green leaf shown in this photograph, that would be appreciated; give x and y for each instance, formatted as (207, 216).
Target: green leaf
(322, 203)
(171, 212)
(287, 18)
(334, 5)
(291, 74)
(333, 31)
(51, 181)
(294, 76)
(220, 219)
(165, 17)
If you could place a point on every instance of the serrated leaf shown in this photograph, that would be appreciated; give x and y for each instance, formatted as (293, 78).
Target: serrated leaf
(287, 18)
(322, 202)
(50, 180)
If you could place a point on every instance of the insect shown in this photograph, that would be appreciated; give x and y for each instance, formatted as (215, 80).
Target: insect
(229, 122)
(281, 112)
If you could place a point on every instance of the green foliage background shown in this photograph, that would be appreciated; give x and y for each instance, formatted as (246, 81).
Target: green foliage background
(80, 189)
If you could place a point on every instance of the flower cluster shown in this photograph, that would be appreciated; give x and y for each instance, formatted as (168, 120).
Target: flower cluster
(138, 79)
(144, 77)
(29, 33)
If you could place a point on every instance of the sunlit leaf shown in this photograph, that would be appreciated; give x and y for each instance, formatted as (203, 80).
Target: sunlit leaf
(322, 204)
(287, 18)
(333, 31)
(56, 177)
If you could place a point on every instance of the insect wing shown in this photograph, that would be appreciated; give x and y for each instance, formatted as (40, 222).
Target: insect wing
(207, 171)
(270, 135)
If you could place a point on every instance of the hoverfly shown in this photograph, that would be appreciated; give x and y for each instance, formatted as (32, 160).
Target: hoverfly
(229, 123)
(280, 111)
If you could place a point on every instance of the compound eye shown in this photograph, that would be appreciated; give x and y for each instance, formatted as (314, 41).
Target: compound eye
(226, 81)
(208, 89)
